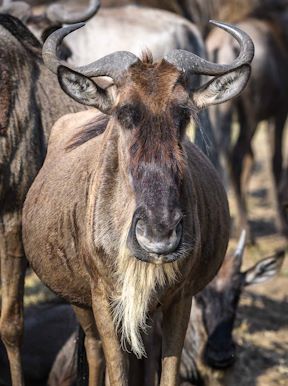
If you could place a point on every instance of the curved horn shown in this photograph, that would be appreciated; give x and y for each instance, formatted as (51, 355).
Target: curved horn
(59, 15)
(19, 9)
(239, 252)
(187, 61)
(112, 65)
(241, 244)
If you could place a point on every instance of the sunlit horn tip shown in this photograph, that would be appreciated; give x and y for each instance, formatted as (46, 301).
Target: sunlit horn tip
(212, 21)
(241, 243)
(75, 26)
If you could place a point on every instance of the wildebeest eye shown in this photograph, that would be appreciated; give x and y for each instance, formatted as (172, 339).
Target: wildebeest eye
(181, 116)
(128, 115)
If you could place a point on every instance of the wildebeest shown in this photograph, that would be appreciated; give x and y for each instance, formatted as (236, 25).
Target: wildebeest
(197, 11)
(31, 101)
(54, 16)
(265, 98)
(134, 28)
(208, 342)
(134, 218)
(201, 11)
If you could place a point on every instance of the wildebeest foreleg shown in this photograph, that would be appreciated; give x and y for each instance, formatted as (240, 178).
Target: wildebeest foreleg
(93, 346)
(116, 360)
(13, 267)
(241, 162)
(175, 322)
(276, 127)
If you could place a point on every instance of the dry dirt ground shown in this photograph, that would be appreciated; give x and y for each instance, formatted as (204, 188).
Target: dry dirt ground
(261, 329)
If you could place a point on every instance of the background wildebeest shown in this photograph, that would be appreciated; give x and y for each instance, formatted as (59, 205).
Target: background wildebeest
(265, 98)
(153, 173)
(201, 11)
(31, 101)
(53, 17)
(197, 11)
(209, 342)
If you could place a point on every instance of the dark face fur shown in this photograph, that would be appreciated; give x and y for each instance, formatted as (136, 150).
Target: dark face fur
(153, 111)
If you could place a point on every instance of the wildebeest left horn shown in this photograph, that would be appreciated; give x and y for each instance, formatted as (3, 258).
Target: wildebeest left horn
(188, 62)
(57, 13)
(112, 65)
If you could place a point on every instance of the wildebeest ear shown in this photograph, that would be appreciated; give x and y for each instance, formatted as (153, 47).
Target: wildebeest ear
(222, 88)
(265, 269)
(83, 89)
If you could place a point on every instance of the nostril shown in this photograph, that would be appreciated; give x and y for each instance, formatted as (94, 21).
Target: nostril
(178, 217)
(179, 226)
(140, 227)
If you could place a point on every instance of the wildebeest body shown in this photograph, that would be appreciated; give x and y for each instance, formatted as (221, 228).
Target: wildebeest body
(72, 189)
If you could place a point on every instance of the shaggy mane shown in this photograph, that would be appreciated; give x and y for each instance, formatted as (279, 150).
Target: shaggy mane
(89, 131)
(147, 57)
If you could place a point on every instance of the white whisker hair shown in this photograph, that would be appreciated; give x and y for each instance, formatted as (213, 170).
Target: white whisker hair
(136, 283)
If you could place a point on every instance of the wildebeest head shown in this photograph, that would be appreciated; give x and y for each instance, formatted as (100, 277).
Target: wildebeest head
(153, 105)
(218, 303)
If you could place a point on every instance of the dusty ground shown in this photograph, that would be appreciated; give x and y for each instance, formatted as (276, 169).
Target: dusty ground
(262, 323)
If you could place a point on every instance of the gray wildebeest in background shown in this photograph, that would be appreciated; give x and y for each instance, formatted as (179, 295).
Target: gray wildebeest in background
(265, 98)
(201, 11)
(197, 11)
(31, 101)
(135, 218)
(53, 17)
(208, 343)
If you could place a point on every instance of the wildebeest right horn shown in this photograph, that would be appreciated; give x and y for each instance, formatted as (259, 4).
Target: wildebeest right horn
(188, 62)
(112, 65)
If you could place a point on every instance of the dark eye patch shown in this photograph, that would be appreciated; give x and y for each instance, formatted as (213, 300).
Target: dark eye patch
(129, 115)
(181, 116)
